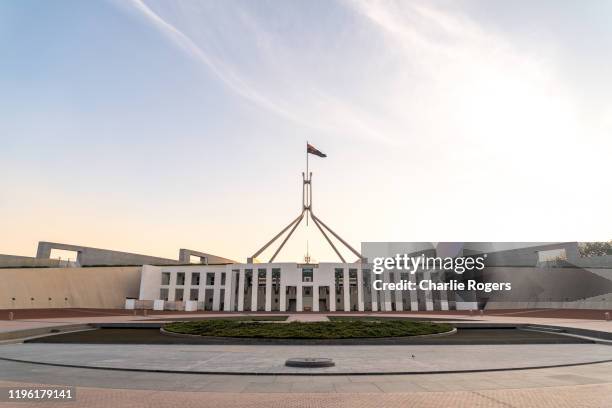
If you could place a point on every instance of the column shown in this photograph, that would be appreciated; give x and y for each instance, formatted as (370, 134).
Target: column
(399, 294)
(172, 287)
(375, 293)
(360, 305)
(202, 291)
(283, 296)
(428, 294)
(268, 307)
(443, 294)
(315, 298)
(332, 297)
(299, 292)
(386, 305)
(254, 290)
(347, 289)
(241, 291)
(414, 301)
(227, 298)
(217, 292)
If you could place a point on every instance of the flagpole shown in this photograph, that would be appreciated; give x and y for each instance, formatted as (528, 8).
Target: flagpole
(307, 178)
(307, 159)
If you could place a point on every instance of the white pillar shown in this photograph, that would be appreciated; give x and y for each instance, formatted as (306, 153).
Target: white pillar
(443, 295)
(254, 290)
(399, 294)
(428, 294)
(202, 292)
(217, 292)
(268, 307)
(414, 301)
(299, 298)
(347, 290)
(227, 298)
(172, 287)
(283, 296)
(375, 293)
(386, 305)
(332, 297)
(315, 298)
(241, 290)
(360, 305)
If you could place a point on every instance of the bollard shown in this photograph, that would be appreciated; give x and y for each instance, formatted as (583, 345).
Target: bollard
(11, 316)
(607, 316)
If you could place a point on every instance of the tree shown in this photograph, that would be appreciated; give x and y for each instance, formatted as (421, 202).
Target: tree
(588, 249)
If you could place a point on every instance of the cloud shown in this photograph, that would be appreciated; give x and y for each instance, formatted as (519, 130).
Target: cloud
(317, 109)
(401, 73)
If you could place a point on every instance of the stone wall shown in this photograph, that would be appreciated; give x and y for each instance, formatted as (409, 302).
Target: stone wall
(98, 287)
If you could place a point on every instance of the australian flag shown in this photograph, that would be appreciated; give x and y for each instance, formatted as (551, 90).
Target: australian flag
(313, 150)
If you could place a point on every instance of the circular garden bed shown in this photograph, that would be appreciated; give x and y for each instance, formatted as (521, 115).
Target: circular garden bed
(349, 329)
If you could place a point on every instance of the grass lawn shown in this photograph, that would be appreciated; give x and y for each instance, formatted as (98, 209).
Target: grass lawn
(315, 330)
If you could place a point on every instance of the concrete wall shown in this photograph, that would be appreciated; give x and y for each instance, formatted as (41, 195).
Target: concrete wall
(534, 287)
(15, 261)
(205, 258)
(100, 287)
(96, 256)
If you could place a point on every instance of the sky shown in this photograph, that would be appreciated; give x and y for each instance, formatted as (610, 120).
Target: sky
(149, 126)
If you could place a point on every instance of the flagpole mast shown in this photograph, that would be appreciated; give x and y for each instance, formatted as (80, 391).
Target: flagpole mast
(307, 187)
(307, 159)
(307, 208)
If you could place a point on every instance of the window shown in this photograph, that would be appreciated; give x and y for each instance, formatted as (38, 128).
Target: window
(365, 273)
(307, 291)
(193, 294)
(180, 278)
(210, 278)
(261, 277)
(236, 275)
(276, 279)
(307, 275)
(195, 278)
(222, 278)
(552, 255)
(353, 277)
(178, 295)
(165, 278)
(339, 276)
(163, 294)
(248, 279)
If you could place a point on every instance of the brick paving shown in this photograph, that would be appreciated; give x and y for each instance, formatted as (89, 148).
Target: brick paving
(584, 396)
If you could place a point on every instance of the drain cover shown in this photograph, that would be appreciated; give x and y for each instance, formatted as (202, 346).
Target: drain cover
(310, 362)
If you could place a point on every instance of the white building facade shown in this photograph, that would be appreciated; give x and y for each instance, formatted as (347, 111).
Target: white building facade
(282, 287)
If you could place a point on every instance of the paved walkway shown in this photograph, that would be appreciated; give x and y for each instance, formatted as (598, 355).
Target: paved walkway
(583, 396)
(266, 359)
(582, 386)
(82, 377)
(568, 387)
(302, 317)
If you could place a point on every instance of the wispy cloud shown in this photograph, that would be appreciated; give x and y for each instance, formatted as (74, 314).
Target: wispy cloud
(320, 111)
(397, 72)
